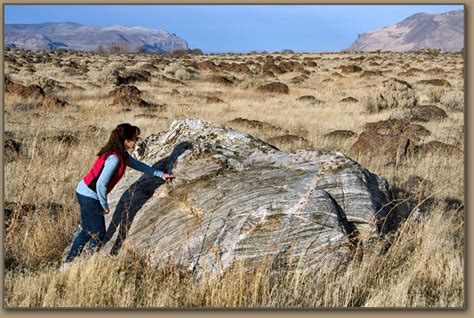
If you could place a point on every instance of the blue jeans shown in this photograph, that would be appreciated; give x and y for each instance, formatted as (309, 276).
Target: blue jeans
(93, 226)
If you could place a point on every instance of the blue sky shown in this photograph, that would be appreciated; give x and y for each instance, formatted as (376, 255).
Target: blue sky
(236, 28)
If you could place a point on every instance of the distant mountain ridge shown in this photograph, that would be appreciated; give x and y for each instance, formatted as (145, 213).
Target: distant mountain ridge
(444, 31)
(70, 35)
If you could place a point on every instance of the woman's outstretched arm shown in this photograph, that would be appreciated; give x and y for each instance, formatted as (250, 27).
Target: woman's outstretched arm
(140, 166)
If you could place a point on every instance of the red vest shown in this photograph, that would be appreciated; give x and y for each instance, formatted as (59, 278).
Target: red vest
(91, 178)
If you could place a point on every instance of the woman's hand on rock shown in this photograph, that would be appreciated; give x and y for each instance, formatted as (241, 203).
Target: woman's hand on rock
(168, 176)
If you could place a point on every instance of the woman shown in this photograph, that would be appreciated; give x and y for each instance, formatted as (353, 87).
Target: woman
(92, 190)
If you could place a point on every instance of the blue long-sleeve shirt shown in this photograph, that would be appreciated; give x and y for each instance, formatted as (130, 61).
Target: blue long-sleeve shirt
(110, 166)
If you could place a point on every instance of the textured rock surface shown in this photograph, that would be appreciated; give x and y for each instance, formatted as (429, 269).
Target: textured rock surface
(238, 198)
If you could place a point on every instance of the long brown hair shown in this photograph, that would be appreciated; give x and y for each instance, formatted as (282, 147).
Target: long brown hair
(117, 138)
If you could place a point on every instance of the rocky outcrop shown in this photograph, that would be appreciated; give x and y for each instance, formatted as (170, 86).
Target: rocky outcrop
(237, 198)
(399, 139)
(206, 65)
(34, 92)
(444, 31)
(31, 91)
(392, 138)
(128, 96)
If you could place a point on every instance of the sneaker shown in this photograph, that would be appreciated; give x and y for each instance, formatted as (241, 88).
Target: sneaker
(64, 267)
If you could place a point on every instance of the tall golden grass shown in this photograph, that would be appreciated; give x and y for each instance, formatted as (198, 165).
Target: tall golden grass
(422, 268)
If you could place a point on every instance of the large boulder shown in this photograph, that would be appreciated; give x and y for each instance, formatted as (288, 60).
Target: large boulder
(237, 198)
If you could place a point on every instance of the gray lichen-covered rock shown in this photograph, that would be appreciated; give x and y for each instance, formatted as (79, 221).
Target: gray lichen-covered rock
(238, 198)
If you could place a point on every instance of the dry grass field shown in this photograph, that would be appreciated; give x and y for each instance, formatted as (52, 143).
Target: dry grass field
(54, 129)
